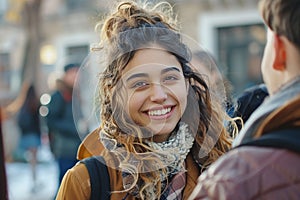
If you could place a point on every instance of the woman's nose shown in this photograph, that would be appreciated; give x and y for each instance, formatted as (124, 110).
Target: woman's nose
(158, 93)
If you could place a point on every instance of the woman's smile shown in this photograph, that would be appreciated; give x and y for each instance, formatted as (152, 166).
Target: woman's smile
(159, 113)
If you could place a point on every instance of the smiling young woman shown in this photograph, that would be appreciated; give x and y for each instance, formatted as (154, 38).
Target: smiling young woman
(160, 127)
(157, 91)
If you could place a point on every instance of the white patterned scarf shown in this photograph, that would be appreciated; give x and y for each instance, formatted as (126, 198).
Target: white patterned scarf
(173, 153)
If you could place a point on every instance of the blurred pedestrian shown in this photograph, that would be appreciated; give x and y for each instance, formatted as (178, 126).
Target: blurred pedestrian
(63, 134)
(159, 127)
(28, 120)
(3, 178)
(219, 85)
(265, 160)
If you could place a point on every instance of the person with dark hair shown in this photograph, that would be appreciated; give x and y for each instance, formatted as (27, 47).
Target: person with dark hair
(248, 102)
(159, 127)
(28, 120)
(63, 134)
(265, 160)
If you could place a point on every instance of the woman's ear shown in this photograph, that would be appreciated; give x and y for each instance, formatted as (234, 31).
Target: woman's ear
(280, 53)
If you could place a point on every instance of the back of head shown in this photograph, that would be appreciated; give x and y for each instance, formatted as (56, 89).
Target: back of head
(31, 100)
(70, 75)
(71, 66)
(283, 17)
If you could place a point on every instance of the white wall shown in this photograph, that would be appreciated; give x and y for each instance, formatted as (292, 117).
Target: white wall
(209, 22)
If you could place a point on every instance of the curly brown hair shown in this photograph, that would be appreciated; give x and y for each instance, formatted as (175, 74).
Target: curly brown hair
(126, 30)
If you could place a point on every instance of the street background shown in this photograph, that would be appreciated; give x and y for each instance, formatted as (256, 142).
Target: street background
(19, 178)
(38, 37)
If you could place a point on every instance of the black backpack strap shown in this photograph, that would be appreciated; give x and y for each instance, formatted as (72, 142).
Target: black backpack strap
(99, 177)
(284, 139)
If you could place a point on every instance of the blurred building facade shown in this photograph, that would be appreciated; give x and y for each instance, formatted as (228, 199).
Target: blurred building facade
(230, 29)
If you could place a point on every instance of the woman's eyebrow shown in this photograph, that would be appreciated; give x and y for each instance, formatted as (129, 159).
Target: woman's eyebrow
(170, 69)
(136, 76)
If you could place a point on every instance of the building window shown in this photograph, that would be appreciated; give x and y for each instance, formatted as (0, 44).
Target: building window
(77, 54)
(240, 49)
(237, 39)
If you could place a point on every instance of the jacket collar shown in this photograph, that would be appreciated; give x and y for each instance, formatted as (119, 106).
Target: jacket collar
(285, 94)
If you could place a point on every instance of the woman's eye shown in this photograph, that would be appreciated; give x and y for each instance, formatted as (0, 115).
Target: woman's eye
(139, 84)
(170, 78)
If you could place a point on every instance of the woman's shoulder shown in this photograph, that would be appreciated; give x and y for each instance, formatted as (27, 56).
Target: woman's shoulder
(75, 184)
(90, 146)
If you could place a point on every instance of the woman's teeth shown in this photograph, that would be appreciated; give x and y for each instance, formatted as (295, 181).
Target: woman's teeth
(159, 112)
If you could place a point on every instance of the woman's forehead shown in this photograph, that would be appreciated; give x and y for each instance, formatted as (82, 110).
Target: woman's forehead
(149, 57)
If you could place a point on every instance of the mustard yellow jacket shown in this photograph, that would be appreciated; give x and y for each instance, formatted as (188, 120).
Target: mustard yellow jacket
(76, 182)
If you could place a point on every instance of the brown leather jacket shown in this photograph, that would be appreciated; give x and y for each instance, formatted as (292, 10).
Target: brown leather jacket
(76, 182)
(251, 172)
